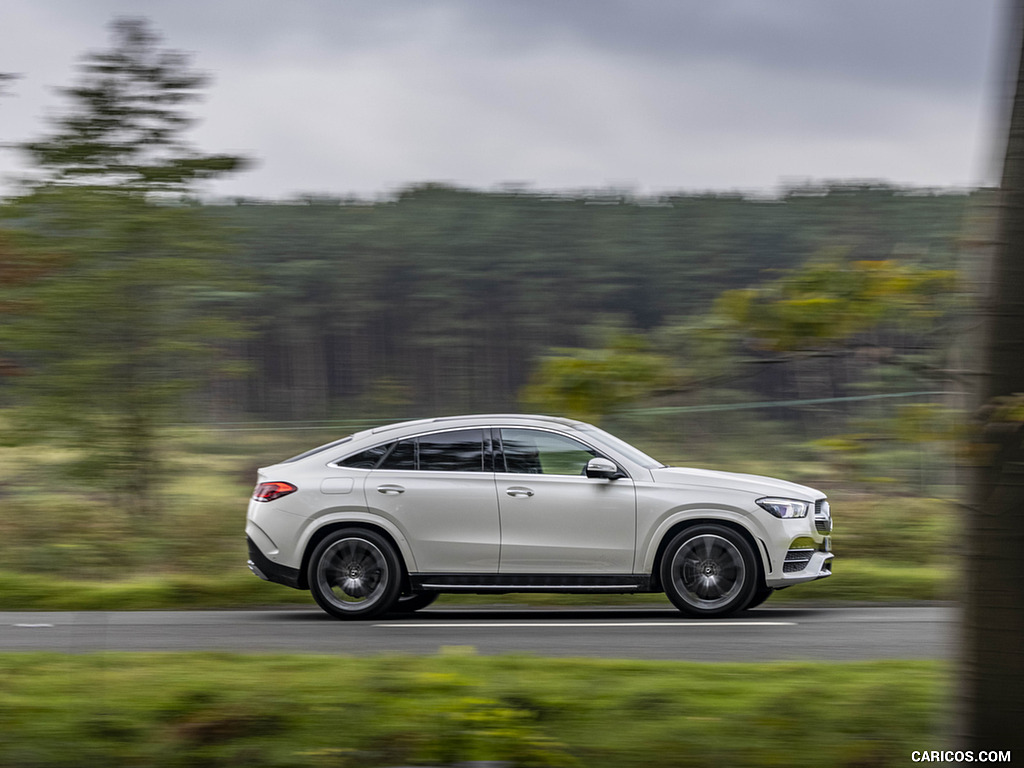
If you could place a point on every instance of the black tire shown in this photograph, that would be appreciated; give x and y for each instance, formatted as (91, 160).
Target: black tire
(414, 602)
(354, 573)
(761, 594)
(709, 571)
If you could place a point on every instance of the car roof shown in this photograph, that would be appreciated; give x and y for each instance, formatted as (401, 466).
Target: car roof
(479, 419)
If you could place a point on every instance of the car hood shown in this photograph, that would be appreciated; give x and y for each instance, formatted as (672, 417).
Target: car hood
(756, 484)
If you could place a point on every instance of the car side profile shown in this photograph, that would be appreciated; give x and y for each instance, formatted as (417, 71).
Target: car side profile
(389, 518)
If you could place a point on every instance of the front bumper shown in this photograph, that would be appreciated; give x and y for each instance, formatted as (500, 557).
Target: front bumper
(804, 564)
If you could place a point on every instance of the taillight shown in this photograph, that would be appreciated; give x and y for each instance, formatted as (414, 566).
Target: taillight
(271, 491)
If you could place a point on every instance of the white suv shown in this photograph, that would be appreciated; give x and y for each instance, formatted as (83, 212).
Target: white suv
(388, 518)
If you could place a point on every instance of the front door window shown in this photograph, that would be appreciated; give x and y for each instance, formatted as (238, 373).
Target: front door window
(534, 452)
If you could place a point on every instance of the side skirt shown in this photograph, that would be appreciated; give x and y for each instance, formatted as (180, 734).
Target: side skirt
(529, 582)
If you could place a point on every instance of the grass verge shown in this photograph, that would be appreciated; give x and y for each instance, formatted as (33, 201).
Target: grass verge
(854, 580)
(310, 711)
(43, 592)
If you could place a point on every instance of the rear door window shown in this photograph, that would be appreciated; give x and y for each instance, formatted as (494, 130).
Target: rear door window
(458, 451)
(368, 459)
(402, 456)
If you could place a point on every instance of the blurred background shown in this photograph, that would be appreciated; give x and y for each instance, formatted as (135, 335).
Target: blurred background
(744, 236)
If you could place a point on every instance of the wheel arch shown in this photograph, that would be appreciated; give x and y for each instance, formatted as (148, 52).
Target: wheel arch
(324, 531)
(682, 525)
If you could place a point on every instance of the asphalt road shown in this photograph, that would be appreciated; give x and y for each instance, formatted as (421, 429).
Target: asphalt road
(765, 634)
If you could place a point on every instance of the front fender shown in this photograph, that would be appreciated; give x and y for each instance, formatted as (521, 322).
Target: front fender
(647, 549)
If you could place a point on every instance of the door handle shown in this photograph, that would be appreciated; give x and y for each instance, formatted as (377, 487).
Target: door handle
(518, 492)
(390, 490)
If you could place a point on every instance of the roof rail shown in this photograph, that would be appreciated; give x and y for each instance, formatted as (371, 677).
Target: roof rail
(490, 416)
(499, 416)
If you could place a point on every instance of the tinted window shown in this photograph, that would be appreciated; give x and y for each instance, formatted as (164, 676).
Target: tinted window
(402, 456)
(367, 459)
(534, 452)
(460, 451)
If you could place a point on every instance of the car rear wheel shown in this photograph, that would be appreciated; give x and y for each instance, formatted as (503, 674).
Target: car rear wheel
(354, 574)
(708, 571)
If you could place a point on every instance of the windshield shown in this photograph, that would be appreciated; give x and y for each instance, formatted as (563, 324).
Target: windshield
(621, 446)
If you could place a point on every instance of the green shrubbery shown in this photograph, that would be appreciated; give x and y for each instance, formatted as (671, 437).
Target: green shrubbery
(311, 711)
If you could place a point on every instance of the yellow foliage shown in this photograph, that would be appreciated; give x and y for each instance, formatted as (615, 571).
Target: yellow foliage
(832, 300)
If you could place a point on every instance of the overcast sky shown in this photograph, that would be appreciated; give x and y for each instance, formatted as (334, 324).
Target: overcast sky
(366, 96)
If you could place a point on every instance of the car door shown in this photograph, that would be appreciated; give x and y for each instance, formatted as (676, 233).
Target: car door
(439, 490)
(555, 519)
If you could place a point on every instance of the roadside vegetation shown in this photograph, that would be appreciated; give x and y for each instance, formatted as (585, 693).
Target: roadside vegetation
(74, 549)
(311, 711)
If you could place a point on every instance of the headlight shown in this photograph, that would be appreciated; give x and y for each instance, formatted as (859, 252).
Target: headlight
(785, 508)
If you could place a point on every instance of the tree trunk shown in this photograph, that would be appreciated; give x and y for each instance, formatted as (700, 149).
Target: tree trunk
(992, 661)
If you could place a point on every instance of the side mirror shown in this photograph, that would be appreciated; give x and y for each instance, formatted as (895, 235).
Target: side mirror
(598, 467)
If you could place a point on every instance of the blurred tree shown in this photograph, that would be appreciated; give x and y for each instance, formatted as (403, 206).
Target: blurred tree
(455, 293)
(992, 660)
(114, 312)
(591, 383)
(834, 322)
(125, 130)
(830, 302)
(823, 310)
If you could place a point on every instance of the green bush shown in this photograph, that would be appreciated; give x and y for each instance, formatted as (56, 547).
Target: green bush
(156, 710)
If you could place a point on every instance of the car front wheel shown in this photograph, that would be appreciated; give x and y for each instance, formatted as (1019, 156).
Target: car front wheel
(708, 571)
(354, 574)
(760, 595)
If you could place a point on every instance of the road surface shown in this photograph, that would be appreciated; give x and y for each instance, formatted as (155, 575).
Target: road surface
(765, 634)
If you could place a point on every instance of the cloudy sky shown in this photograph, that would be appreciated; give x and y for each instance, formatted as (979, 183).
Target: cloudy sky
(366, 96)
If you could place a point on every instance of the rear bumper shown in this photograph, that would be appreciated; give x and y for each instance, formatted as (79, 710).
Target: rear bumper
(267, 570)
